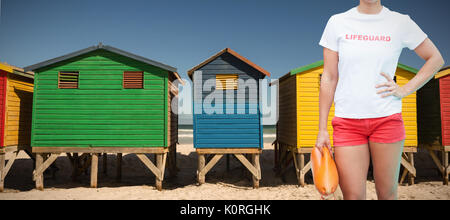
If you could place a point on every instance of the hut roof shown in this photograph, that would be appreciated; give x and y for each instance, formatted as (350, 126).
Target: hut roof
(16, 70)
(232, 52)
(100, 46)
(443, 72)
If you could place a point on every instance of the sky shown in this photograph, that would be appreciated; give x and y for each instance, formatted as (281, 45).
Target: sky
(278, 35)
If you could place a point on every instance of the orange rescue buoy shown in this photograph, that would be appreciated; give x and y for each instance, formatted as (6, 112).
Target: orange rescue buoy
(324, 170)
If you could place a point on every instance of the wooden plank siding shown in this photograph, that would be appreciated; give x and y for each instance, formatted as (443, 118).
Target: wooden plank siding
(409, 109)
(238, 125)
(444, 85)
(3, 87)
(429, 113)
(308, 88)
(287, 122)
(19, 105)
(100, 113)
(172, 125)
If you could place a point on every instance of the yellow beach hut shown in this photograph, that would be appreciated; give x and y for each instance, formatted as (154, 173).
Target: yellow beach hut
(16, 100)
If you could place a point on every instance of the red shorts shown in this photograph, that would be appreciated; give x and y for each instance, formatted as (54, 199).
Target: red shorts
(350, 132)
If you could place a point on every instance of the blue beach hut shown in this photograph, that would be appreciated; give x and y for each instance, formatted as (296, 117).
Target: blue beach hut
(227, 117)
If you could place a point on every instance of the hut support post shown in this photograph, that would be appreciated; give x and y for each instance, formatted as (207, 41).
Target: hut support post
(446, 167)
(119, 167)
(257, 166)
(94, 170)
(297, 156)
(201, 167)
(301, 168)
(407, 161)
(442, 163)
(252, 165)
(5, 166)
(2, 169)
(159, 169)
(41, 166)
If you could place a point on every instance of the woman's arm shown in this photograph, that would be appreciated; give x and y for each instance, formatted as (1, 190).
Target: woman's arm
(328, 85)
(434, 62)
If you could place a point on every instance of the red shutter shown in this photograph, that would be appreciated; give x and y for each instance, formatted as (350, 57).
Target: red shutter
(133, 80)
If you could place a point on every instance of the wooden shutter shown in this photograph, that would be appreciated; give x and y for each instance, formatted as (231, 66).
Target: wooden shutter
(227, 81)
(68, 80)
(133, 80)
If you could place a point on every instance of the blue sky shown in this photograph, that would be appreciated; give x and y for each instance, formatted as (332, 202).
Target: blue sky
(277, 35)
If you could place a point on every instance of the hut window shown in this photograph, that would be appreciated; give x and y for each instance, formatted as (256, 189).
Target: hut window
(68, 80)
(227, 81)
(133, 80)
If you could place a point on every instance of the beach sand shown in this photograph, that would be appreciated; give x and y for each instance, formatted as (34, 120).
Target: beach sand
(138, 182)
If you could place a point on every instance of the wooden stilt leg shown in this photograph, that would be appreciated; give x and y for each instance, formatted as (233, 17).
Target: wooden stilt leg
(105, 164)
(94, 170)
(160, 166)
(301, 163)
(256, 164)
(2, 169)
(410, 175)
(446, 167)
(201, 166)
(39, 175)
(404, 162)
(119, 167)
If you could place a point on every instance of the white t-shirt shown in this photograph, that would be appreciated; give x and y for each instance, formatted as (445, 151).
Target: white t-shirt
(368, 45)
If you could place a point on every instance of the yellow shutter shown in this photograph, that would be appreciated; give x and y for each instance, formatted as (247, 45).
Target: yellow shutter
(227, 81)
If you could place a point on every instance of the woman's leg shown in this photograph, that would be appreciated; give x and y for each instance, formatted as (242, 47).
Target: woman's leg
(386, 167)
(353, 164)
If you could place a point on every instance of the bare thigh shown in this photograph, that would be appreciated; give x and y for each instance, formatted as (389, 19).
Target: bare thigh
(353, 164)
(386, 167)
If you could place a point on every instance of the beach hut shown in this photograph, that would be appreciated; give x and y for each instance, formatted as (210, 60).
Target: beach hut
(433, 109)
(233, 126)
(298, 121)
(104, 100)
(16, 98)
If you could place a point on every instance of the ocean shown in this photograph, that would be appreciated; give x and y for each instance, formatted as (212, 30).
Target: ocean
(186, 136)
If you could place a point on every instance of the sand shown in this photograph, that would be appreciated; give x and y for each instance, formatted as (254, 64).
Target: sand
(138, 182)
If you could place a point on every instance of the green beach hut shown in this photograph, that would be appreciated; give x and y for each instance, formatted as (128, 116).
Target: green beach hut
(103, 100)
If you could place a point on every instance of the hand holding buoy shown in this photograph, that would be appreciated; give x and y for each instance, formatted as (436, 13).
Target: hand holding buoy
(324, 170)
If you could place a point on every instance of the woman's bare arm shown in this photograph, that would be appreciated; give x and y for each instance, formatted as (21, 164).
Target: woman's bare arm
(434, 62)
(328, 85)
